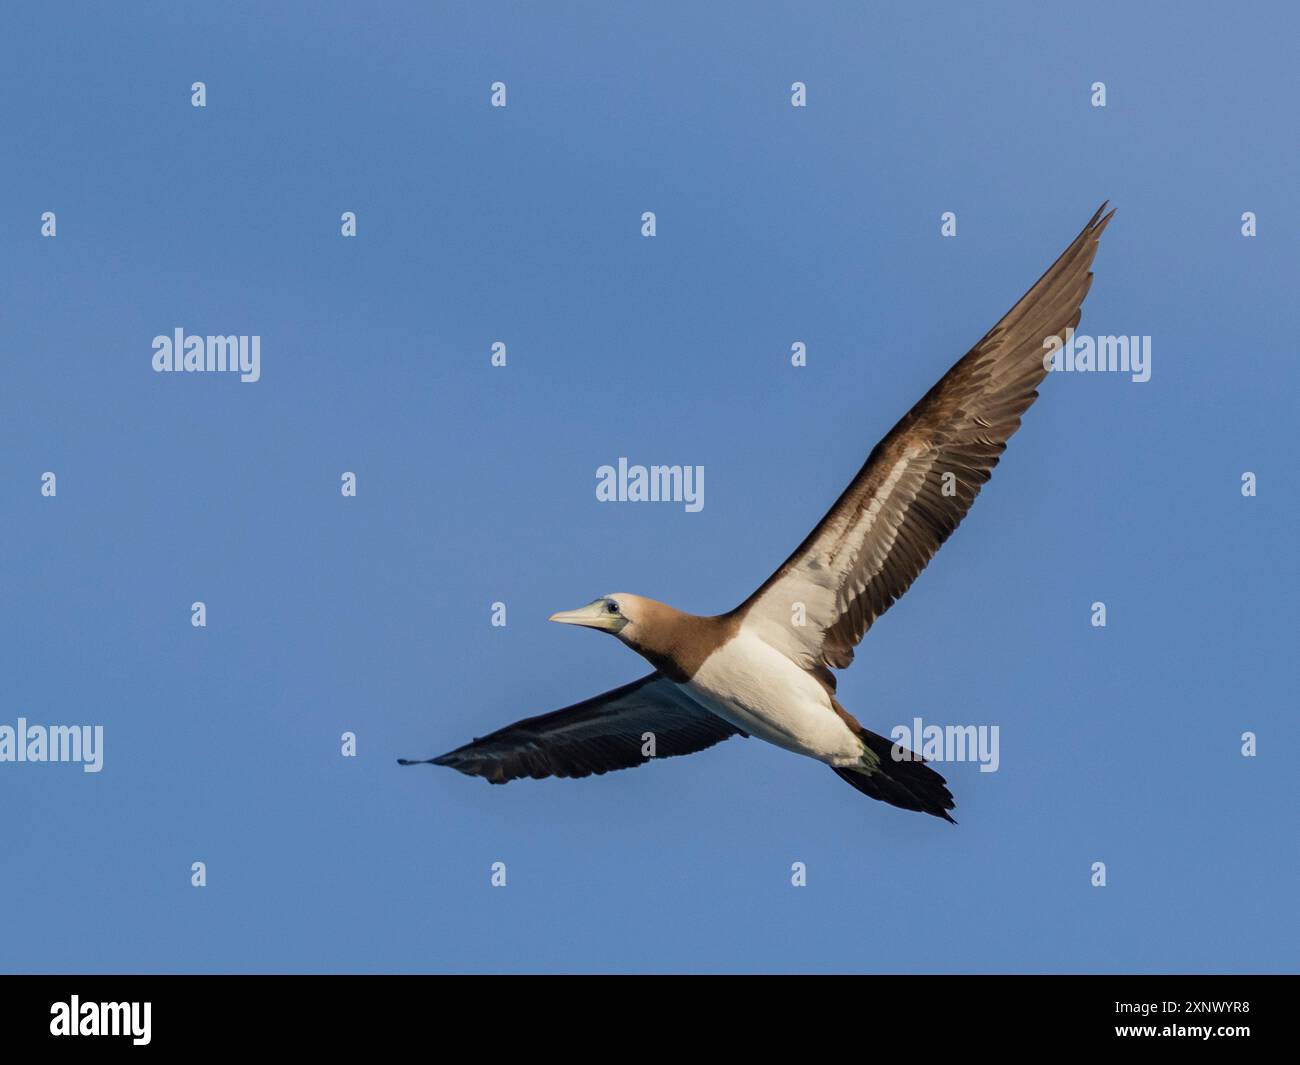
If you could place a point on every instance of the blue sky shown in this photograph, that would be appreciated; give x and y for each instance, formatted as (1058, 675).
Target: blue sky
(476, 484)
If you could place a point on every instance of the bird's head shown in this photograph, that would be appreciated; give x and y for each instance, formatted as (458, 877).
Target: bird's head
(621, 614)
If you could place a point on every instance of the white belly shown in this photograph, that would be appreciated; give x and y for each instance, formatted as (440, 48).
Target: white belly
(756, 688)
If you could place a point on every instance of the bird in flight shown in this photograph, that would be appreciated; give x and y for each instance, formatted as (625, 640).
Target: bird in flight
(754, 671)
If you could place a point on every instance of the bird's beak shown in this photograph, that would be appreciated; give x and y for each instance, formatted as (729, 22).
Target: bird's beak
(592, 616)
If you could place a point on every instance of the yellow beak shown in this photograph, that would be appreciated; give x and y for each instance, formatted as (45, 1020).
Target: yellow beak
(592, 616)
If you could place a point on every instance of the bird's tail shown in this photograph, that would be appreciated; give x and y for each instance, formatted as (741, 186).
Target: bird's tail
(893, 774)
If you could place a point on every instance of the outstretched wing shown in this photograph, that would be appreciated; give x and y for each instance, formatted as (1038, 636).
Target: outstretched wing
(920, 480)
(597, 735)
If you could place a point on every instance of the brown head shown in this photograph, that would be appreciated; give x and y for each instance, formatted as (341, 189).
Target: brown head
(675, 643)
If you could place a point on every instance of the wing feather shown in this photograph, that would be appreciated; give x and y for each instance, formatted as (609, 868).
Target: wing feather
(921, 479)
(594, 736)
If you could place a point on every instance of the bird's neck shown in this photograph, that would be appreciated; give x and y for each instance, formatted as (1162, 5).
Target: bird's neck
(677, 643)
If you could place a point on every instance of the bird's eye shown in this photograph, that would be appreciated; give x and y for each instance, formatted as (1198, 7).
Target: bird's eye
(611, 607)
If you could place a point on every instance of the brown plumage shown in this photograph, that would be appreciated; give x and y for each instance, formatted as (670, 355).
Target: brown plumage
(674, 642)
(893, 517)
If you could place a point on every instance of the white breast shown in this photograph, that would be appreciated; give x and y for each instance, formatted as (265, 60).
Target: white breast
(757, 688)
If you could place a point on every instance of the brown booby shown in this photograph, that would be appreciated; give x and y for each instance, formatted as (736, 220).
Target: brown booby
(753, 671)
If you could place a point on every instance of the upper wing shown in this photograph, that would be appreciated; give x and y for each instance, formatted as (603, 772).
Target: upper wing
(597, 735)
(901, 506)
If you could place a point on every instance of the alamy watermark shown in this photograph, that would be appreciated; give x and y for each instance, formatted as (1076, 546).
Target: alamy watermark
(947, 743)
(77, 1018)
(179, 353)
(1080, 353)
(653, 484)
(53, 743)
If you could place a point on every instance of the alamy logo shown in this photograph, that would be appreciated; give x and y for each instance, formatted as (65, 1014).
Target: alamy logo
(1086, 354)
(196, 354)
(53, 743)
(947, 743)
(656, 484)
(102, 1018)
